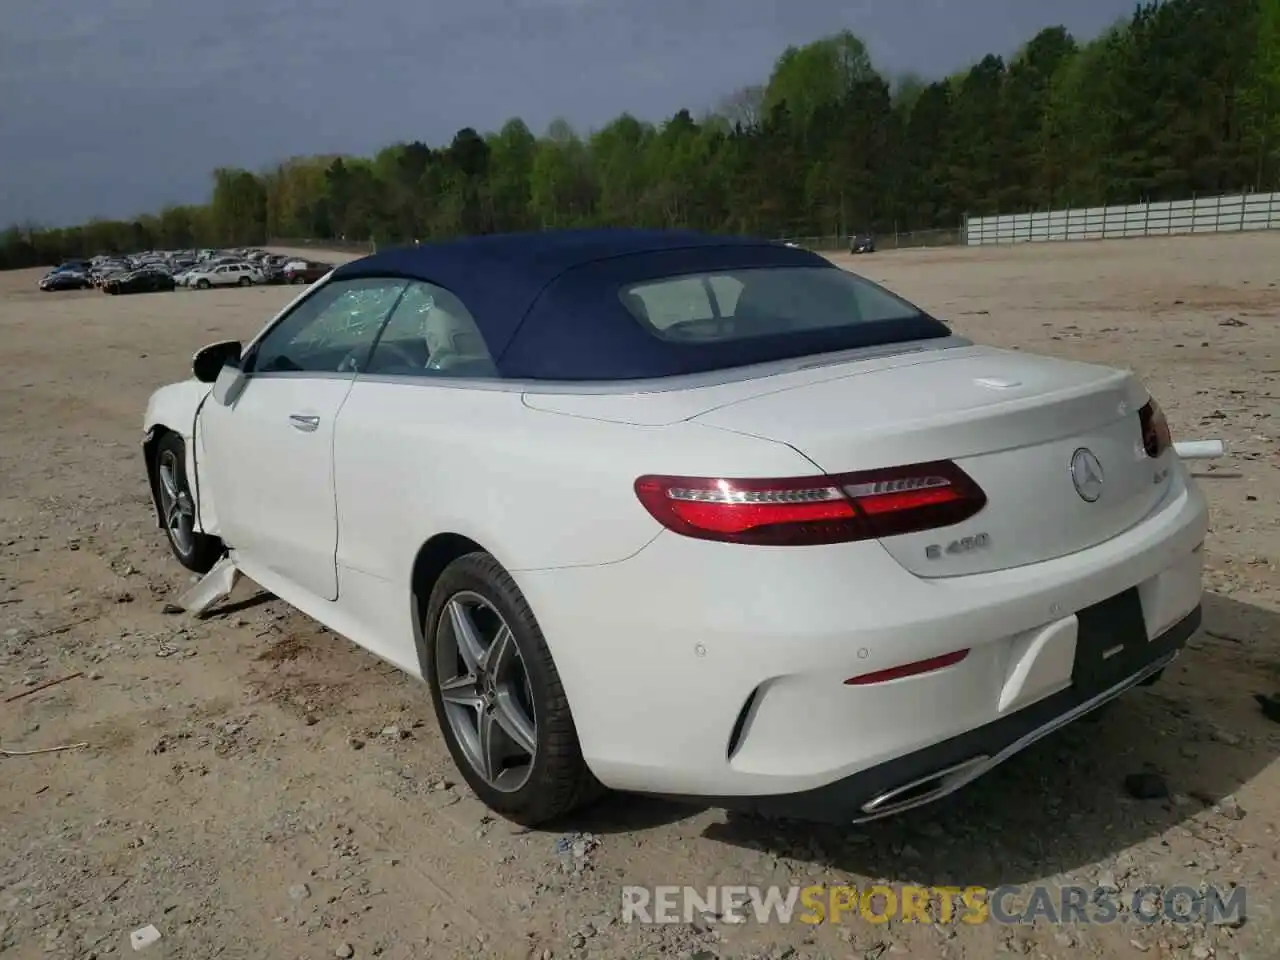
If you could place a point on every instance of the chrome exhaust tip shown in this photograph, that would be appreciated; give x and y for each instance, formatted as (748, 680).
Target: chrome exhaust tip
(925, 790)
(937, 785)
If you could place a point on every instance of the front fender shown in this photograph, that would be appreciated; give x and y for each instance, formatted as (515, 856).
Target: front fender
(173, 409)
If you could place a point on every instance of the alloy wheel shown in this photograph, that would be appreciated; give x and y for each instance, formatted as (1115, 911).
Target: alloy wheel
(176, 505)
(484, 686)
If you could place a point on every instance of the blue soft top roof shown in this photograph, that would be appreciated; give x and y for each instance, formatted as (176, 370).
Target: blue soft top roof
(548, 308)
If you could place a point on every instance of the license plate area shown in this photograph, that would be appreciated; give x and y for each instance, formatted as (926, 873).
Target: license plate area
(1111, 642)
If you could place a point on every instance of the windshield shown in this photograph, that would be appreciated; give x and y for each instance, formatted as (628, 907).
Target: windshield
(732, 305)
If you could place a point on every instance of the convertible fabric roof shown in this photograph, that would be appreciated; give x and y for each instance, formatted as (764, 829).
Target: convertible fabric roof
(547, 303)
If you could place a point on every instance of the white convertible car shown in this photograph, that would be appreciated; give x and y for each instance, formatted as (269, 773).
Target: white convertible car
(694, 516)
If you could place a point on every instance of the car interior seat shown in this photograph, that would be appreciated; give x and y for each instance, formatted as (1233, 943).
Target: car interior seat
(453, 344)
(635, 303)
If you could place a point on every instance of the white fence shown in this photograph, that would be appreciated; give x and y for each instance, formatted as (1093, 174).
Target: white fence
(1230, 214)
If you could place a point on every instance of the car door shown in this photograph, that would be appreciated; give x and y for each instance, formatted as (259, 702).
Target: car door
(268, 453)
(396, 437)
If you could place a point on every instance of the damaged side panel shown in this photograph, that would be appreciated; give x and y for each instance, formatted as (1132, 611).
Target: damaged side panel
(211, 589)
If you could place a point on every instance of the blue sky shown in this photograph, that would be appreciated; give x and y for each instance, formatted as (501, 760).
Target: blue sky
(115, 107)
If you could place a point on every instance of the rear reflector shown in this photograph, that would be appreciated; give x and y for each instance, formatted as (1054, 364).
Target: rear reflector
(909, 669)
(800, 511)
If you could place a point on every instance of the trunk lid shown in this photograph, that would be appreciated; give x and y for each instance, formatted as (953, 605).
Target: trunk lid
(662, 405)
(1013, 422)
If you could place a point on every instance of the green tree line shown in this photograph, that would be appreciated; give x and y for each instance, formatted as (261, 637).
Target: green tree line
(1181, 98)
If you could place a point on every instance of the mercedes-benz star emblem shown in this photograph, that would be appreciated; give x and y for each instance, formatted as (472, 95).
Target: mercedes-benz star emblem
(1086, 474)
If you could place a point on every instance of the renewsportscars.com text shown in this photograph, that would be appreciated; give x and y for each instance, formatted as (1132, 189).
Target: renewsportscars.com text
(907, 904)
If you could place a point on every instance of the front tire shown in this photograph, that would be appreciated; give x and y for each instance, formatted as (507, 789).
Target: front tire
(498, 697)
(195, 551)
(202, 284)
(244, 281)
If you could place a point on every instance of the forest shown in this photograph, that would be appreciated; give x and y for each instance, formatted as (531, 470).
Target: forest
(1180, 98)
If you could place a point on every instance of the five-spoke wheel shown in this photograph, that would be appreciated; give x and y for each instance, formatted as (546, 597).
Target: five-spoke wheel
(486, 693)
(498, 695)
(194, 550)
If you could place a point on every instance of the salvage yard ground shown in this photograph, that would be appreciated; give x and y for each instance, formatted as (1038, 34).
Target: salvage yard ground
(256, 787)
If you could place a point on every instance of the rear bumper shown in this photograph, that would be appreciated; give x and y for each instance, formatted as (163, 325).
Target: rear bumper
(716, 671)
(937, 771)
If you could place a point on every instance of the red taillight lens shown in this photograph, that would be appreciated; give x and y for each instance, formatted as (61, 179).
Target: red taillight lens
(1156, 438)
(806, 511)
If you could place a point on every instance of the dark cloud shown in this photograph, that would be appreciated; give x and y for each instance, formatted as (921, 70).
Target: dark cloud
(119, 106)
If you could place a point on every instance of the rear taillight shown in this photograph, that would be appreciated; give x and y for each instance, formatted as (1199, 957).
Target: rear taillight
(1156, 438)
(806, 511)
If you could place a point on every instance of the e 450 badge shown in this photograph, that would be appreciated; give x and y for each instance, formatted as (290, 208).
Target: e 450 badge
(979, 541)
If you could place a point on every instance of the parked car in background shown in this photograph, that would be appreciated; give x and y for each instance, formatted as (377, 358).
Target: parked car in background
(273, 268)
(72, 266)
(863, 243)
(146, 280)
(65, 280)
(227, 275)
(690, 515)
(305, 271)
(186, 275)
(105, 272)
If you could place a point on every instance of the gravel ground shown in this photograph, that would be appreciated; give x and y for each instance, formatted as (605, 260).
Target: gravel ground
(254, 786)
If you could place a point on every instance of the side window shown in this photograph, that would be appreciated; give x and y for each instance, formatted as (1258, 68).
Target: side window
(431, 334)
(330, 331)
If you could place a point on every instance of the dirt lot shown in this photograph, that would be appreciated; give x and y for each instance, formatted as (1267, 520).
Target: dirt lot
(254, 786)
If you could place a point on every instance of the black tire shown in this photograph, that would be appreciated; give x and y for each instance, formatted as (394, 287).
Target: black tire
(203, 551)
(244, 281)
(202, 284)
(559, 781)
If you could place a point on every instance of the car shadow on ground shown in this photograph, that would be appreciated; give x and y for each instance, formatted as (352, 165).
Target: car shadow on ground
(1062, 805)
(228, 607)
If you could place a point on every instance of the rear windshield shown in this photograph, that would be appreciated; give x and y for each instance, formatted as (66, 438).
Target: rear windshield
(733, 305)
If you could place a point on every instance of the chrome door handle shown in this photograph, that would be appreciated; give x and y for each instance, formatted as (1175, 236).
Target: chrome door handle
(305, 423)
